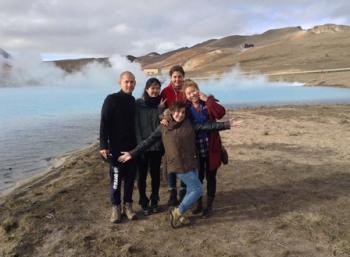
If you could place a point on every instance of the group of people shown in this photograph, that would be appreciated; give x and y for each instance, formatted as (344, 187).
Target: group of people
(176, 127)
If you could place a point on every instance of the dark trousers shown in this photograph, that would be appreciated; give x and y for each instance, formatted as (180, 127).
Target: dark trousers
(150, 161)
(210, 175)
(127, 173)
(172, 180)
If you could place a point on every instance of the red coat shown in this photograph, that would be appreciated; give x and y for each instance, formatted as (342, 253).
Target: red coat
(215, 112)
(171, 95)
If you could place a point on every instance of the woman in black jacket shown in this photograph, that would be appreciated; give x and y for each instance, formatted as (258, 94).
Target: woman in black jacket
(148, 109)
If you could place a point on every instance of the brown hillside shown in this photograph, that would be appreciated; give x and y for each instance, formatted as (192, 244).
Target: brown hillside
(78, 64)
(316, 56)
(275, 51)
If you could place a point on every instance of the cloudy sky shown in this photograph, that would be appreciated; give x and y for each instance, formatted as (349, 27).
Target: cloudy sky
(74, 28)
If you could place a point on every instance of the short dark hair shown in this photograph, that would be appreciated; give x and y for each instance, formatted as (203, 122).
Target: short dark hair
(177, 105)
(177, 68)
(149, 83)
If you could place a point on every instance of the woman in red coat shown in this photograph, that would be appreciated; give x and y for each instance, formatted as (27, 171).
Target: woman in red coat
(202, 108)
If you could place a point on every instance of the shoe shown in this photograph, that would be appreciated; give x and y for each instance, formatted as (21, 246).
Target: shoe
(154, 209)
(184, 220)
(116, 216)
(206, 213)
(173, 198)
(199, 207)
(146, 210)
(128, 211)
(177, 219)
(174, 214)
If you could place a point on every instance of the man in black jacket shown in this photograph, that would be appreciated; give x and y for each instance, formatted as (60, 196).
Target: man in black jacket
(117, 134)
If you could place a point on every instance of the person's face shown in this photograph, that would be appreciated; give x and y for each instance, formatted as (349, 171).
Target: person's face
(177, 80)
(153, 90)
(192, 94)
(179, 115)
(127, 83)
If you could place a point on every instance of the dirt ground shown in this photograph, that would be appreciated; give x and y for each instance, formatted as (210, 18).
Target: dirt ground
(285, 192)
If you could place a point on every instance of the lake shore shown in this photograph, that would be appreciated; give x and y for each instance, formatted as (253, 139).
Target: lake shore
(285, 192)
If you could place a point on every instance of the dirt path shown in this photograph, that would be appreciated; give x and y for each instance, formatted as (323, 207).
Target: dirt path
(285, 192)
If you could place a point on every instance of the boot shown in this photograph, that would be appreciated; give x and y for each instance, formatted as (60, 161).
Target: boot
(208, 211)
(199, 207)
(177, 219)
(128, 211)
(116, 216)
(172, 198)
(182, 194)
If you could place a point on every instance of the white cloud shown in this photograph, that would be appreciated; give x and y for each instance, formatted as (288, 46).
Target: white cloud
(105, 27)
(120, 28)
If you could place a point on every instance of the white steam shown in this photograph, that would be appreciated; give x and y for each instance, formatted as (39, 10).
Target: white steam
(29, 70)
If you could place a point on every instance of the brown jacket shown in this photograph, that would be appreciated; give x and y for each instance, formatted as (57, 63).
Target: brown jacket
(179, 143)
(179, 140)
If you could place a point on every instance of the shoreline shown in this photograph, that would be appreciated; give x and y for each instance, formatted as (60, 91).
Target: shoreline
(54, 163)
(58, 161)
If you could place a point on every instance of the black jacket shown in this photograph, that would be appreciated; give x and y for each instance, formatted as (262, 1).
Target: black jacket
(117, 128)
(147, 120)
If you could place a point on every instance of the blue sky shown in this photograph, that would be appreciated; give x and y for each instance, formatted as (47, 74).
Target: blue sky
(72, 29)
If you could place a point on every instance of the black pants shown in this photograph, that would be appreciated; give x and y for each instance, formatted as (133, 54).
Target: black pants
(123, 171)
(210, 175)
(149, 161)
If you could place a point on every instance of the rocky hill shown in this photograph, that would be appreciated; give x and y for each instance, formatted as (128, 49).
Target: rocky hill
(288, 53)
(76, 65)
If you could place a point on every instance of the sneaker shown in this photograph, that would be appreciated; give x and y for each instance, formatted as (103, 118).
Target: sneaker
(146, 210)
(128, 211)
(184, 220)
(116, 216)
(174, 215)
(155, 209)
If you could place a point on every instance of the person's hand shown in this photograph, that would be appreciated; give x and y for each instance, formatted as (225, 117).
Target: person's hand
(235, 124)
(162, 103)
(164, 122)
(104, 153)
(124, 157)
(203, 97)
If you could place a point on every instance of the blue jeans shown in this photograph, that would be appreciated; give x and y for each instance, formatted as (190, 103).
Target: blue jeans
(194, 189)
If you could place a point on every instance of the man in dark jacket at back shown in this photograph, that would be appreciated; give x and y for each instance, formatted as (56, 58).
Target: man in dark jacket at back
(117, 134)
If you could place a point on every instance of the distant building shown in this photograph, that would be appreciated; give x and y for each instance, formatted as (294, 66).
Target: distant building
(152, 71)
(246, 45)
